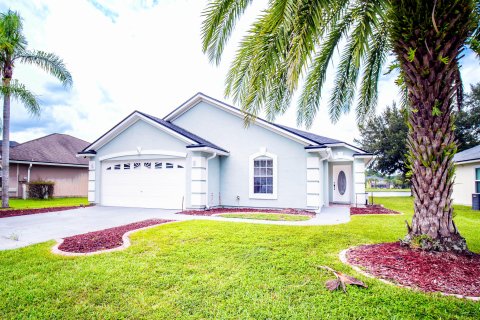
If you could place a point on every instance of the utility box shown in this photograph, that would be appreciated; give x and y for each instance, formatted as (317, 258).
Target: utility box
(476, 201)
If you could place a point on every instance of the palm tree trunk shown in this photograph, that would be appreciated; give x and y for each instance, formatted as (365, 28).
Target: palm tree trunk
(428, 45)
(6, 146)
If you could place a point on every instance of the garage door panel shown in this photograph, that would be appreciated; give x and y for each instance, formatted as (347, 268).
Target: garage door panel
(158, 183)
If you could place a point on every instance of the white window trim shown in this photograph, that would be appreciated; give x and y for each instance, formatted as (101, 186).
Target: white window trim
(251, 194)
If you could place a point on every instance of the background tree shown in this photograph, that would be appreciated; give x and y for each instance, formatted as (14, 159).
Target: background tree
(386, 134)
(292, 39)
(467, 120)
(13, 49)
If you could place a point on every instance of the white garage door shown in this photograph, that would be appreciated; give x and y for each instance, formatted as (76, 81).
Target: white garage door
(158, 183)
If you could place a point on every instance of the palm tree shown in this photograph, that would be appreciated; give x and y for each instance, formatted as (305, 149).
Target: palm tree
(13, 48)
(293, 41)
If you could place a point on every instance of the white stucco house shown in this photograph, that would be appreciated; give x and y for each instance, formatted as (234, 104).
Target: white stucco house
(201, 155)
(467, 175)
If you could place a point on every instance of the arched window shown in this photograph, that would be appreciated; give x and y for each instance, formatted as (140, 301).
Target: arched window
(263, 176)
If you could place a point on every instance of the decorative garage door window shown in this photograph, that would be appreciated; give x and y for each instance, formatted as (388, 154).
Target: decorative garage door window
(342, 183)
(142, 165)
(263, 175)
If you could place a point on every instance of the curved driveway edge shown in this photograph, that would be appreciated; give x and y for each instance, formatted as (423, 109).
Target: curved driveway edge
(22, 231)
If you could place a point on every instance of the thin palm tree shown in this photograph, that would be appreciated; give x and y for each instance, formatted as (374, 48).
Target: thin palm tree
(13, 49)
(293, 42)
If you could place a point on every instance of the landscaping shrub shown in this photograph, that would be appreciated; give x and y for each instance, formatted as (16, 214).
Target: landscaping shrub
(41, 189)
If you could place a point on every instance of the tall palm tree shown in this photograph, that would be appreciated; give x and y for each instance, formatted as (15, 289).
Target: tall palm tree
(13, 49)
(296, 39)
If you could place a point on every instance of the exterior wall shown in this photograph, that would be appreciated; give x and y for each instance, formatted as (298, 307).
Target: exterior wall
(228, 131)
(69, 181)
(136, 140)
(464, 183)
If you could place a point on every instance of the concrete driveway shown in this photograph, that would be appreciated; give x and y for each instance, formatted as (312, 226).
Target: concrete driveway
(21, 231)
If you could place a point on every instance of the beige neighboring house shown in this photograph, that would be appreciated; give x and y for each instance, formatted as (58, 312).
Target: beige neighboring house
(51, 158)
(467, 172)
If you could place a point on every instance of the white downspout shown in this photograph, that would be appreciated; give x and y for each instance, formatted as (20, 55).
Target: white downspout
(206, 169)
(28, 172)
(24, 191)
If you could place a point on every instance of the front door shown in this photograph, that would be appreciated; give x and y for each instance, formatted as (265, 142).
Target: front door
(342, 179)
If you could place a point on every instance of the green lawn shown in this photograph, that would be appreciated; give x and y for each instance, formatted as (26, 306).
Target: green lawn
(48, 203)
(384, 190)
(223, 270)
(266, 216)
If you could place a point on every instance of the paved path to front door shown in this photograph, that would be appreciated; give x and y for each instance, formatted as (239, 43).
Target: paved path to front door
(21, 231)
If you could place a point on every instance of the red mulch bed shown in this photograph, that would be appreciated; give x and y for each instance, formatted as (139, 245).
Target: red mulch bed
(214, 211)
(428, 271)
(372, 209)
(23, 212)
(103, 239)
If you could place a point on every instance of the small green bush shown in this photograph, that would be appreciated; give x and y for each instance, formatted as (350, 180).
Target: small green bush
(41, 189)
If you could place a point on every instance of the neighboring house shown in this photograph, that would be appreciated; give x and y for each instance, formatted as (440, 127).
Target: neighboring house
(201, 155)
(378, 182)
(467, 175)
(51, 158)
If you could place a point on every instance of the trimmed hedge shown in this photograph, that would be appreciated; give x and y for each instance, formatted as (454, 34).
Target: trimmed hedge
(41, 189)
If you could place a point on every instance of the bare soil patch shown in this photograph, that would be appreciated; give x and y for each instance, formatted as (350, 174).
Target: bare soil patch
(23, 212)
(427, 271)
(372, 209)
(216, 211)
(103, 239)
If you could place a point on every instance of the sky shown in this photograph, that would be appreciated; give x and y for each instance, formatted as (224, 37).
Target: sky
(141, 55)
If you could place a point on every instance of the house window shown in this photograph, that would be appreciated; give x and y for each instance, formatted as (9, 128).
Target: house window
(477, 180)
(158, 165)
(147, 165)
(136, 165)
(169, 165)
(117, 167)
(263, 175)
(126, 166)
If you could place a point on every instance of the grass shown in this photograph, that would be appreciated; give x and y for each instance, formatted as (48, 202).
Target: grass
(223, 270)
(385, 190)
(46, 203)
(266, 216)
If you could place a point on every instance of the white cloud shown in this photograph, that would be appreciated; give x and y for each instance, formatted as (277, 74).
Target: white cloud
(138, 54)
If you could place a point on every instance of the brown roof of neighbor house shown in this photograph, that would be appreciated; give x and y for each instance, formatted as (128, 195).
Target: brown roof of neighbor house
(55, 148)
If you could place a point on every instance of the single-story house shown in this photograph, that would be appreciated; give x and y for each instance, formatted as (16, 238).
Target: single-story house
(467, 175)
(51, 158)
(201, 155)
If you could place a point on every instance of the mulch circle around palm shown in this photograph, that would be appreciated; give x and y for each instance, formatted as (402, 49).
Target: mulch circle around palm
(427, 271)
(103, 239)
(215, 211)
(371, 209)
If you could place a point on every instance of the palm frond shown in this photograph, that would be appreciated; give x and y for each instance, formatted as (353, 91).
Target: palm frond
(309, 102)
(11, 34)
(19, 92)
(379, 48)
(49, 62)
(368, 15)
(220, 17)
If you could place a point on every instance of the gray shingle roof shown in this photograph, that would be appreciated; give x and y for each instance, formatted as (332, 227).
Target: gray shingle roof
(468, 155)
(55, 148)
(200, 142)
(310, 136)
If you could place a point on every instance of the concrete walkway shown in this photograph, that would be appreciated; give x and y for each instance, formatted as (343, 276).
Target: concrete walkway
(21, 231)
